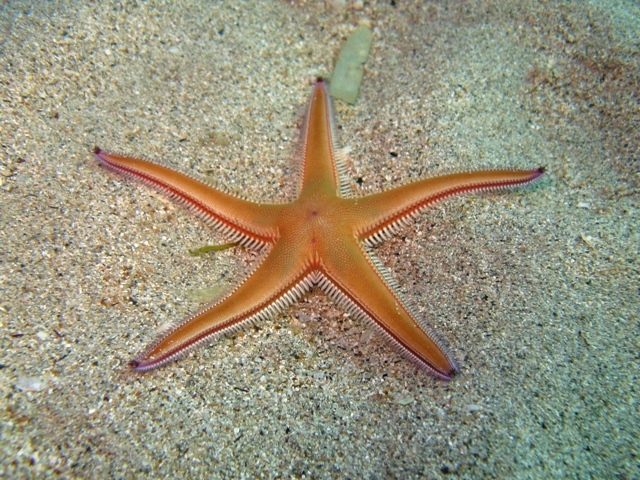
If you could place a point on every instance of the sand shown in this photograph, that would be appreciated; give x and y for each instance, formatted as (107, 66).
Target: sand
(536, 291)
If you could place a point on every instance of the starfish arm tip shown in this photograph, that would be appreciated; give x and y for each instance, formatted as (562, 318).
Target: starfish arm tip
(134, 364)
(455, 370)
(140, 365)
(441, 374)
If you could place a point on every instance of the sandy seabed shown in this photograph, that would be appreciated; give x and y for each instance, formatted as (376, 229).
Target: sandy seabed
(536, 291)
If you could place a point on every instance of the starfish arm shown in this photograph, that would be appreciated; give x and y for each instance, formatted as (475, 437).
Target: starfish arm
(243, 221)
(321, 167)
(358, 282)
(382, 214)
(277, 283)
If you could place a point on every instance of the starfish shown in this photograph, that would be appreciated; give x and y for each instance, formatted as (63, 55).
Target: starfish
(323, 238)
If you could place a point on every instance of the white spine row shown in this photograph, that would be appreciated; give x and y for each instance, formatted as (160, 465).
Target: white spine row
(343, 301)
(247, 239)
(383, 231)
(277, 303)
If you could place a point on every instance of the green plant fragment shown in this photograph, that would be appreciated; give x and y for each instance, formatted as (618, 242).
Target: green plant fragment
(205, 294)
(349, 69)
(197, 252)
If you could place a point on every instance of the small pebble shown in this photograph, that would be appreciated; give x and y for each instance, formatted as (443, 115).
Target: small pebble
(404, 399)
(31, 384)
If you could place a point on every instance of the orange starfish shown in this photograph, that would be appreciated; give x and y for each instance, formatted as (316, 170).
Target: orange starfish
(322, 238)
